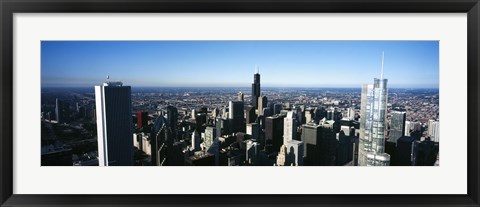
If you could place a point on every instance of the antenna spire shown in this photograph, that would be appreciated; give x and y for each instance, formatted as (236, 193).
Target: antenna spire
(256, 69)
(381, 75)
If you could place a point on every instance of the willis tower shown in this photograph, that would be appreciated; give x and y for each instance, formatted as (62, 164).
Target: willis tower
(255, 88)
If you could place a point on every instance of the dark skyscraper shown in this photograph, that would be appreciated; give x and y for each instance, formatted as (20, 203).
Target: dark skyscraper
(161, 142)
(424, 153)
(172, 118)
(328, 143)
(310, 137)
(397, 128)
(345, 150)
(250, 115)
(404, 151)
(320, 143)
(319, 113)
(236, 115)
(114, 124)
(333, 115)
(274, 133)
(255, 89)
(277, 108)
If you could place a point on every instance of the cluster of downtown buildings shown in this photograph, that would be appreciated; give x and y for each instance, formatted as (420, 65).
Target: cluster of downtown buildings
(254, 132)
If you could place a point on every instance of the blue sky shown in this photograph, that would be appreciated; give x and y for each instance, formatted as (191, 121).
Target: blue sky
(408, 64)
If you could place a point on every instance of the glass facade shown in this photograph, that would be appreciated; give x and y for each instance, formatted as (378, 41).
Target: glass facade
(373, 113)
(397, 127)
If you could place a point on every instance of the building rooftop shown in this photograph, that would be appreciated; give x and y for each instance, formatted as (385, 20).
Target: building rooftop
(294, 141)
(113, 83)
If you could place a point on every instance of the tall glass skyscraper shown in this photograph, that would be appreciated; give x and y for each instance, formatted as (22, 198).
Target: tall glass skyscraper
(114, 124)
(256, 89)
(373, 113)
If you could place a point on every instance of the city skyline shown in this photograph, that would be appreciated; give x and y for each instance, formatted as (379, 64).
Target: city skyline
(213, 134)
(178, 126)
(408, 64)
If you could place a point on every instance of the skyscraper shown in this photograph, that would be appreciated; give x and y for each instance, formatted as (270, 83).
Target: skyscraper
(262, 103)
(142, 119)
(404, 151)
(253, 129)
(320, 113)
(172, 119)
(319, 143)
(373, 121)
(210, 136)
(252, 152)
(311, 139)
(328, 142)
(114, 124)
(334, 115)
(250, 115)
(350, 113)
(277, 108)
(295, 152)
(289, 127)
(397, 128)
(236, 114)
(433, 129)
(59, 110)
(255, 88)
(273, 133)
(240, 96)
(195, 141)
(408, 128)
(424, 153)
(160, 142)
(308, 116)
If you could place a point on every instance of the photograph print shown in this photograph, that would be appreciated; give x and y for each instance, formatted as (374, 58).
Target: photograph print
(240, 103)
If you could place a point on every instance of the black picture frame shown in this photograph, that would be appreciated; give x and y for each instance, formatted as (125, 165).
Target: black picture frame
(9, 7)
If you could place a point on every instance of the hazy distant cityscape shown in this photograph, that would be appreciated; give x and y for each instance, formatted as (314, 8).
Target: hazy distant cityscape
(114, 124)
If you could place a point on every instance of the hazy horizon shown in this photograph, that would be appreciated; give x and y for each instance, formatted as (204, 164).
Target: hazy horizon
(235, 87)
(298, 64)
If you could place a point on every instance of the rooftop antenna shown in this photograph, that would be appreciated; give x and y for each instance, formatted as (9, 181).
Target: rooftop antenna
(381, 75)
(256, 69)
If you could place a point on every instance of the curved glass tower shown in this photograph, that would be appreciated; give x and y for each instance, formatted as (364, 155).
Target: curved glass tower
(373, 113)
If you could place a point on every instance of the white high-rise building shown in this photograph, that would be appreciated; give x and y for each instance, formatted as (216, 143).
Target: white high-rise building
(433, 130)
(230, 110)
(411, 126)
(114, 124)
(407, 128)
(196, 137)
(350, 113)
(308, 116)
(373, 113)
(289, 127)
